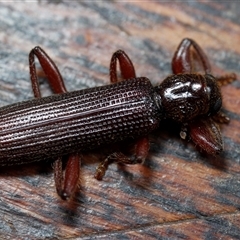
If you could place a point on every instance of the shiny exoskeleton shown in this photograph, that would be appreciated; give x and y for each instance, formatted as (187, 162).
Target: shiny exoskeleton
(68, 124)
(77, 121)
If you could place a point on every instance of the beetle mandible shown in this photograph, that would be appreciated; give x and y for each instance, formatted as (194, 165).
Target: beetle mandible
(71, 123)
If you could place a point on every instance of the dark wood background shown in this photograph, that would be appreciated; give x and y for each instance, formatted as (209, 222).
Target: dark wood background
(178, 193)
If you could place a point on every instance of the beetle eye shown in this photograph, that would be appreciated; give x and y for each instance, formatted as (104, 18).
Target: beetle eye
(216, 107)
(215, 96)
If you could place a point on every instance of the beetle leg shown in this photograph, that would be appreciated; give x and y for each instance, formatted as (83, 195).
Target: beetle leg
(58, 175)
(189, 58)
(205, 133)
(71, 179)
(140, 151)
(49, 68)
(66, 185)
(125, 64)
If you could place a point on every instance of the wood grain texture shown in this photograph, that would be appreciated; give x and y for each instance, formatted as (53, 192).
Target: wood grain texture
(178, 193)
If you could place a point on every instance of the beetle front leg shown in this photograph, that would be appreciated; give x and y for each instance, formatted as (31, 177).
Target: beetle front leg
(190, 58)
(206, 134)
(67, 183)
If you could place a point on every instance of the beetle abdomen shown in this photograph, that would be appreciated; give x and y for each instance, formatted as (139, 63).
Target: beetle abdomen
(78, 121)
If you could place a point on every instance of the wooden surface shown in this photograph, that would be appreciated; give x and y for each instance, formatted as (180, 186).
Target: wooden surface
(178, 193)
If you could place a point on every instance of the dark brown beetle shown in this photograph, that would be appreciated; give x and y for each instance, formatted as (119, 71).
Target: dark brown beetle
(68, 124)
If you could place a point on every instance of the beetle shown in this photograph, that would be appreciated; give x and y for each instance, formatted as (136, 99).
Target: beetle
(71, 123)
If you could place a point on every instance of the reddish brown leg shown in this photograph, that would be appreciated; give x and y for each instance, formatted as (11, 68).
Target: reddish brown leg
(125, 64)
(141, 146)
(71, 179)
(58, 175)
(190, 58)
(49, 68)
(205, 133)
(66, 185)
